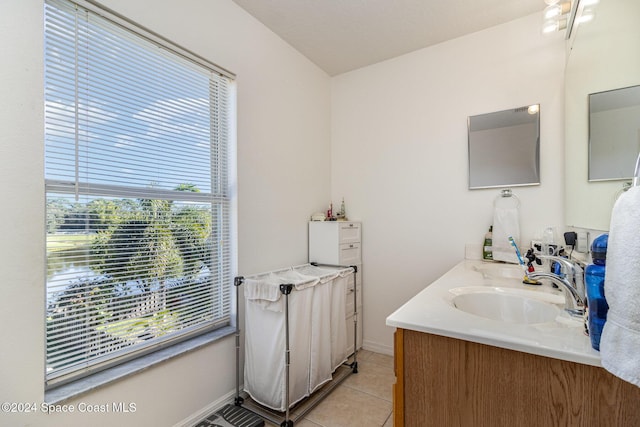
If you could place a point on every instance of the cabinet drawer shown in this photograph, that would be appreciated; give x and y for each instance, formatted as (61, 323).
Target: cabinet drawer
(349, 254)
(349, 233)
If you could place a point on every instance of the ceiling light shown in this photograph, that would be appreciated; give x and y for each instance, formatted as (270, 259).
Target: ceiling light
(533, 109)
(552, 25)
(557, 9)
(551, 11)
(556, 14)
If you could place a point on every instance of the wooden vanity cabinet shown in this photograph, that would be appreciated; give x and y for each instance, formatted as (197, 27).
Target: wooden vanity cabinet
(443, 381)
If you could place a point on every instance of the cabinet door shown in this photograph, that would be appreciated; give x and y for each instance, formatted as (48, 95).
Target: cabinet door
(334, 242)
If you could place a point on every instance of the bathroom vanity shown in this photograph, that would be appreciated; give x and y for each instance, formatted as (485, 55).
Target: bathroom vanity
(499, 363)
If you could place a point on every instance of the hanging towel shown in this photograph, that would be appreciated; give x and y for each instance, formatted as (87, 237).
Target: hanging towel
(620, 341)
(506, 222)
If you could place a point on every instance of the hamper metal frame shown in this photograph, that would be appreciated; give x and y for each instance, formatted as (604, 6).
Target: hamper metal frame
(316, 397)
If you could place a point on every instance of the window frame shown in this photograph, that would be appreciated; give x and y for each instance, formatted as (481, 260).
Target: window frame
(227, 196)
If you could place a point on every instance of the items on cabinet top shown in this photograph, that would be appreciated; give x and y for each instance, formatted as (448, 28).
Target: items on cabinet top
(330, 215)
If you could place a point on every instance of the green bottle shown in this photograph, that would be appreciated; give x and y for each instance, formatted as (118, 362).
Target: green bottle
(487, 248)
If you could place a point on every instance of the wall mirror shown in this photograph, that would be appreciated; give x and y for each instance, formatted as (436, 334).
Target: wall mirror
(504, 148)
(614, 133)
(603, 55)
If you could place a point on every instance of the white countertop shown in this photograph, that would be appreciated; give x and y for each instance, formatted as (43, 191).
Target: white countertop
(432, 311)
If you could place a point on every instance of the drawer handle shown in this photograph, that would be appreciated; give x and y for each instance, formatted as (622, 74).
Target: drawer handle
(350, 246)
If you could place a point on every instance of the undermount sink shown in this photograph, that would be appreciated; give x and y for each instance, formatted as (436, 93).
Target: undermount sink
(507, 304)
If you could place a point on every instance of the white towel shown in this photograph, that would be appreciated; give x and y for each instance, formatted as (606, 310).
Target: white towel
(620, 341)
(506, 223)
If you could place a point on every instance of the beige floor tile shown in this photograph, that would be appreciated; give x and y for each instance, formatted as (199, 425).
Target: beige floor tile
(346, 407)
(373, 379)
(364, 355)
(389, 422)
(381, 359)
(363, 399)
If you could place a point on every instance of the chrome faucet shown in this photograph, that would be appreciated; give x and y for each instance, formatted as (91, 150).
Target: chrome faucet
(573, 273)
(571, 281)
(573, 301)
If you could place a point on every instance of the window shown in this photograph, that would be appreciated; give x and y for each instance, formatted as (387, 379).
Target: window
(138, 169)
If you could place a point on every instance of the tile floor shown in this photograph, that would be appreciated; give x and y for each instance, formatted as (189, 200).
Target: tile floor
(362, 400)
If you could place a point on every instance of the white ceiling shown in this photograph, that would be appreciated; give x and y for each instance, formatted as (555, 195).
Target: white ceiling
(342, 35)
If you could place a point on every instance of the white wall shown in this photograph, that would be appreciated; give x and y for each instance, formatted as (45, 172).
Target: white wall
(283, 177)
(399, 155)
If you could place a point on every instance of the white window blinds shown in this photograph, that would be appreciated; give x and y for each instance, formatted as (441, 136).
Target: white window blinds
(137, 168)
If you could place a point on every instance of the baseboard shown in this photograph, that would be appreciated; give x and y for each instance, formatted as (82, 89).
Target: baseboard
(377, 347)
(207, 410)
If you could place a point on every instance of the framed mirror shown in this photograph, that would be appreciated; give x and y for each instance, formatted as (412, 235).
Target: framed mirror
(614, 133)
(504, 148)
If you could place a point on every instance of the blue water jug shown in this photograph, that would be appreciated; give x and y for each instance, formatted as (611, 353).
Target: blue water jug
(594, 281)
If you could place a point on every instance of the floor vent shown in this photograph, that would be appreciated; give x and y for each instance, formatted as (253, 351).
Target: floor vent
(232, 416)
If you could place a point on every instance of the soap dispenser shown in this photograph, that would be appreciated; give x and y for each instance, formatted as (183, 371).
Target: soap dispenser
(594, 281)
(487, 247)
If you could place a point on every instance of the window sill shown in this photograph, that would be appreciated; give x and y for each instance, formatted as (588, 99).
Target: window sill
(85, 385)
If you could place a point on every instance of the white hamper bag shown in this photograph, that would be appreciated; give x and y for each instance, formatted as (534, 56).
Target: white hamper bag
(320, 351)
(339, 344)
(265, 338)
(329, 328)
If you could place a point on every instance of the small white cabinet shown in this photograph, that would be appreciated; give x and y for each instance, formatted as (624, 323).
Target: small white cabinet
(339, 243)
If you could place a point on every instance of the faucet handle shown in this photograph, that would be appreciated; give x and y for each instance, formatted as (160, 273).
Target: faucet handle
(569, 266)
